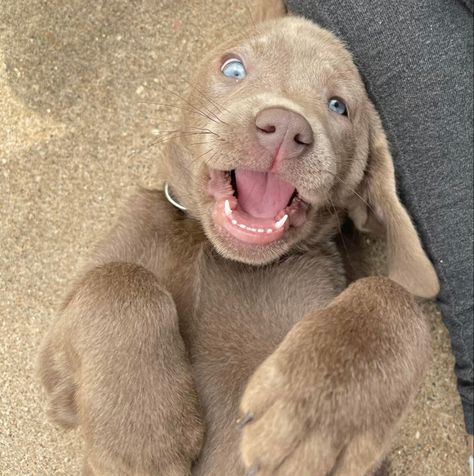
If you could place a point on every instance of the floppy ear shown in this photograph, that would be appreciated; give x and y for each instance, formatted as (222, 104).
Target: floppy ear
(266, 10)
(408, 264)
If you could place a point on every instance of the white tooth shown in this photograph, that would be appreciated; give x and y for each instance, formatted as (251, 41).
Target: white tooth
(234, 222)
(281, 221)
(242, 225)
(260, 230)
(269, 230)
(227, 209)
(253, 229)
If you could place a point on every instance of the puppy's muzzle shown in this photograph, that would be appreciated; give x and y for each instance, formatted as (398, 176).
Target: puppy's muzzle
(284, 133)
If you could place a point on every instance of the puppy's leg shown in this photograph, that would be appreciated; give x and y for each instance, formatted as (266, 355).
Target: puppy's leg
(115, 364)
(329, 399)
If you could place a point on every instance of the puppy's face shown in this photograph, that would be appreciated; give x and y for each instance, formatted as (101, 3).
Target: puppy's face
(279, 131)
(285, 128)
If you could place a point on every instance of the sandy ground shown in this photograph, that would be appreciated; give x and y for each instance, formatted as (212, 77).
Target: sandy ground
(76, 137)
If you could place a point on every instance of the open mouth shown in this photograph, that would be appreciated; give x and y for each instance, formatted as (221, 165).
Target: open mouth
(255, 207)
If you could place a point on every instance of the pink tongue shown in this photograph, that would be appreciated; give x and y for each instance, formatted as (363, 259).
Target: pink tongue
(262, 194)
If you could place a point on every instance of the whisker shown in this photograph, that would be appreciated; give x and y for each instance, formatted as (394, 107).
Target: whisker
(141, 150)
(184, 132)
(216, 116)
(339, 224)
(208, 159)
(206, 130)
(195, 159)
(174, 93)
(206, 97)
(194, 110)
(171, 137)
(201, 143)
(348, 187)
(161, 140)
(187, 129)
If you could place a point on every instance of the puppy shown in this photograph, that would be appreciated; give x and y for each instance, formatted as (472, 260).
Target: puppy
(213, 331)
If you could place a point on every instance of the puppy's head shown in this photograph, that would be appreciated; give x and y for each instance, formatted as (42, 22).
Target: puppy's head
(279, 131)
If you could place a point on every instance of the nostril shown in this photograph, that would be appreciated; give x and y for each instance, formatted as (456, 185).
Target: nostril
(299, 139)
(283, 132)
(267, 129)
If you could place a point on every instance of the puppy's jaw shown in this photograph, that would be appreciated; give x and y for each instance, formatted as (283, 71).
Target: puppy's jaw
(255, 208)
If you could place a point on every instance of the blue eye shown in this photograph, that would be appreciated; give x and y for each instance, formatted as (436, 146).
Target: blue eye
(337, 105)
(233, 68)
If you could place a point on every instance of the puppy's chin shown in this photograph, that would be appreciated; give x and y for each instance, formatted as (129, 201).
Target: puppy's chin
(232, 248)
(252, 217)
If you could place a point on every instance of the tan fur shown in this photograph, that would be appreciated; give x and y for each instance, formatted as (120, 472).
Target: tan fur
(263, 10)
(172, 331)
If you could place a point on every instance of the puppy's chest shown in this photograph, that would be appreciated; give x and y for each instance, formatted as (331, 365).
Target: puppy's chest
(240, 313)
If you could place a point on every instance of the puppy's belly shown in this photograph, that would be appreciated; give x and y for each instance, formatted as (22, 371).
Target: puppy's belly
(223, 360)
(242, 316)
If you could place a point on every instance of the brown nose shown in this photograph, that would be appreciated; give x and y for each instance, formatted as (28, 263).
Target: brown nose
(283, 132)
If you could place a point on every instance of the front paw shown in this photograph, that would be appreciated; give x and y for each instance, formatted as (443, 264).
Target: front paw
(114, 363)
(143, 434)
(282, 431)
(134, 422)
(329, 398)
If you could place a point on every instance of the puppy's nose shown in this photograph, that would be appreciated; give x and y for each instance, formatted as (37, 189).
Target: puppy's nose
(283, 132)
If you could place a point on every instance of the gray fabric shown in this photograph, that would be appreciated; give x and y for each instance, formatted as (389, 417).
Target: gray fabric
(416, 59)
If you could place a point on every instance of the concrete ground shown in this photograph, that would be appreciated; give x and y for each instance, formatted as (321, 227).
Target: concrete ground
(77, 80)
